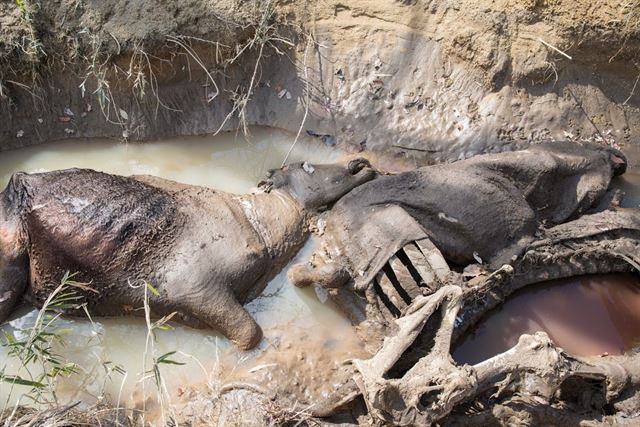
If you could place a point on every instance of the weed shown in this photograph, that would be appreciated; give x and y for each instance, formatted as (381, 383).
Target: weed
(266, 35)
(97, 68)
(142, 75)
(153, 371)
(34, 347)
(30, 43)
(184, 42)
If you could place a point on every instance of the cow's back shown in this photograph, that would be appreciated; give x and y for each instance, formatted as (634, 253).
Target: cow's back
(92, 223)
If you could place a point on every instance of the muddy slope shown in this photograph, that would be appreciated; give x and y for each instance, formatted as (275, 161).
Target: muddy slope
(427, 79)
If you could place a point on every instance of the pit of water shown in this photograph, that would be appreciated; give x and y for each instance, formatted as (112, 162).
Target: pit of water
(629, 183)
(110, 352)
(586, 316)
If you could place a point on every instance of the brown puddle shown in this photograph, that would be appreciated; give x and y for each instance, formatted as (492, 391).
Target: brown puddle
(585, 315)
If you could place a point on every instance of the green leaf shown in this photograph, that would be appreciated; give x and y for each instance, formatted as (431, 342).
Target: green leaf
(21, 381)
(156, 375)
(114, 367)
(162, 323)
(152, 289)
(165, 359)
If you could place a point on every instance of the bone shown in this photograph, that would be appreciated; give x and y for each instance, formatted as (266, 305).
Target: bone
(393, 294)
(434, 258)
(422, 266)
(533, 370)
(404, 277)
(409, 327)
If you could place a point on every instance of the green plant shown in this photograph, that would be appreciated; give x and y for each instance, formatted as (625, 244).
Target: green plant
(30, 43)
(34, 348)
(150, 349)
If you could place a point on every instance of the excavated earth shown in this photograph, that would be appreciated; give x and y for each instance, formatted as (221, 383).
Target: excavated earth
(432, 80)
(418, 80)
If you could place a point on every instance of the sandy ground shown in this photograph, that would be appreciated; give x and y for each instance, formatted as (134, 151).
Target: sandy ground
(425, 80)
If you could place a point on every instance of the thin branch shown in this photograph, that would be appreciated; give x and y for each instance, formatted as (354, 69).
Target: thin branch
(586, 115)
(633, 90)
(554, 48)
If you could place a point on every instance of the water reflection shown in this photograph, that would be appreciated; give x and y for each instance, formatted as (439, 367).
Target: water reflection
(586, 315)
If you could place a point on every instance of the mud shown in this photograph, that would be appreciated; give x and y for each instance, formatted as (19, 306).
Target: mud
(412, 380)
(605, 320)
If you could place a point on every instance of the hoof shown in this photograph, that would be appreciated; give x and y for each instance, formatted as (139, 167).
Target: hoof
(300, 275)
(327, 275)
(249, 338)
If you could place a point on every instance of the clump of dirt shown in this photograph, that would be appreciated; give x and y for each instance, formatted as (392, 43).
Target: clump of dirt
(288, 382)
(424, 80)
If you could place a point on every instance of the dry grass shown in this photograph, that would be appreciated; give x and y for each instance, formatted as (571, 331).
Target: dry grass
(266, 35)
(96, 59)
(68, 415)
(630, 17)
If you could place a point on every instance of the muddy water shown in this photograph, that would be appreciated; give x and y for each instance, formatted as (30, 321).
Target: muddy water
(630, 181)
(587, 315)
(110, 353)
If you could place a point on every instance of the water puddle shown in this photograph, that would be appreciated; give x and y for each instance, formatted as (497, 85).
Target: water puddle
(630, 181)
(585, 315)
(111, 354)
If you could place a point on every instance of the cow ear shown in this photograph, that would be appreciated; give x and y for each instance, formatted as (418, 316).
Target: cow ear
(265, 185)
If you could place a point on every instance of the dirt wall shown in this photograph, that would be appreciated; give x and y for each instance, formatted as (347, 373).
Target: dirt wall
(433, 80)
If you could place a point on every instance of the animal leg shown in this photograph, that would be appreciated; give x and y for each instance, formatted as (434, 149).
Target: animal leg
(13, 282)
(357, 250)
(14, 271)
(224, 313)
